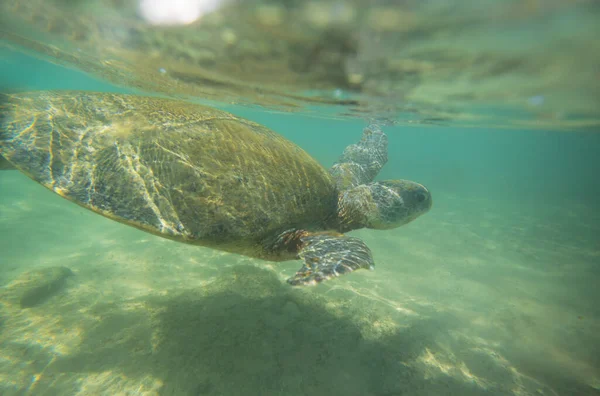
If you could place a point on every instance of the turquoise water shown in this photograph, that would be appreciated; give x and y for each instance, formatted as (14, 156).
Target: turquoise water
(493, 292)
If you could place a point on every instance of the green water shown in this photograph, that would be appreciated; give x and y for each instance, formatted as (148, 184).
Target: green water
(493, 292)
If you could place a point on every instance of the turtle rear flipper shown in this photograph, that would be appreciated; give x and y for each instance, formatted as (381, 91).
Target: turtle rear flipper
(5, 165)
(330, 255)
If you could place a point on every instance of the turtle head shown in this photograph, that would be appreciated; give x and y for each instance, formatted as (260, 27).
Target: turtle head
(382, 205)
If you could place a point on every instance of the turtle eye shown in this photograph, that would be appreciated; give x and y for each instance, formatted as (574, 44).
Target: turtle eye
(420, 197)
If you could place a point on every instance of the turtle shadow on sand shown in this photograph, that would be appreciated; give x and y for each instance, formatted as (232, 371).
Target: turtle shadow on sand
(248, 334)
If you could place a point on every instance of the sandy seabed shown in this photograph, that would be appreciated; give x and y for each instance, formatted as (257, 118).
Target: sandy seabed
(476, 298)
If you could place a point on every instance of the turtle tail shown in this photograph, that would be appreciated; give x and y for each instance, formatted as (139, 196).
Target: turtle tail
(4, 164)
(3, 116)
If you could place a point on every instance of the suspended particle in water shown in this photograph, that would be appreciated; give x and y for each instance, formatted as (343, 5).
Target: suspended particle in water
(537, 100)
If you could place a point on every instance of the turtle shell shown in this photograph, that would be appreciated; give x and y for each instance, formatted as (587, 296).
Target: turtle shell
(179, 170)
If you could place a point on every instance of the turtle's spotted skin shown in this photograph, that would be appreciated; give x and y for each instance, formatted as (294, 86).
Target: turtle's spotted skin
(199, 175)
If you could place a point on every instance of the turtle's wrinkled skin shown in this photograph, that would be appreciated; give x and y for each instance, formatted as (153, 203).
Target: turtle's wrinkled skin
(198, 175)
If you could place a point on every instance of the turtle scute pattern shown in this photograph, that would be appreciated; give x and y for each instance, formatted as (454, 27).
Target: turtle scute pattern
(180, 170)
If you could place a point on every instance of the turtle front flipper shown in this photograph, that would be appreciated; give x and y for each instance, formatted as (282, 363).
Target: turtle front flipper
(328, 255)
(361, 162)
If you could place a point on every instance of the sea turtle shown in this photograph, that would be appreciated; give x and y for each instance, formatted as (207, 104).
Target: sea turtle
(5, 165)
(202, 176)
